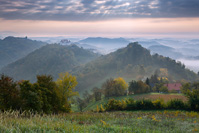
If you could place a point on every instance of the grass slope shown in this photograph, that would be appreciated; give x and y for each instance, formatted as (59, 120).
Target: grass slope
(152, 96)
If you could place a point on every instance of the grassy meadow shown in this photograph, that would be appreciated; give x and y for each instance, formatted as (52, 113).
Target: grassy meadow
(137, 121)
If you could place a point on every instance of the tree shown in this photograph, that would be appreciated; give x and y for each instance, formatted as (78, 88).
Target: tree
(31, 96)
(120, 86)
(164, 89)
(153, 80)
(97, 93)
(108, 87)
(157, 87)
(9, 93)
(81, 104)
(49, 96)
(138, 87)
(66, 84)
(192, 92)
(87, 97)
(116, 87)
(147, 81)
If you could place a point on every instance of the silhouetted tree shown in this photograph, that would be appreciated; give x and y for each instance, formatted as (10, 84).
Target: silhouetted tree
(9, 93)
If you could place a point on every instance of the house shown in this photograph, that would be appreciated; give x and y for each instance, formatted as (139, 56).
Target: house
(174, 87)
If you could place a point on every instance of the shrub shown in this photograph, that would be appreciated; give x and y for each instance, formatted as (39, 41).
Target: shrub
(176, 104)
(144, 104)
(130, 104)
(101, 108)
(97, 109)
(113, 105)
(158, 104)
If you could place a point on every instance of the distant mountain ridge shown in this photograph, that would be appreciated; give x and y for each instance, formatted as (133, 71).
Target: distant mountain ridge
(14, 48)
(166, 51)
(101, 40)
(105, 45)
(50, 59)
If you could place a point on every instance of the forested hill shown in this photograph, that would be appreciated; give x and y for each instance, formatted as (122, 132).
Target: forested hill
(50, 59)
(14, 48)
(131, 62)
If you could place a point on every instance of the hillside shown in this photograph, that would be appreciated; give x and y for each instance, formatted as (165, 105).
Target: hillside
(50, 59)
(131, 62)
(14, 48)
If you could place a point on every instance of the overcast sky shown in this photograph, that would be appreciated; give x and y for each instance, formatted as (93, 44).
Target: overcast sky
(99, 17)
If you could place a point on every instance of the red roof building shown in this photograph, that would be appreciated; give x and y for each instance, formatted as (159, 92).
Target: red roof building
(174, 87)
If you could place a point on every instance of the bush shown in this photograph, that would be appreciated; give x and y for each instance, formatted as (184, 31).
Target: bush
(176, 104)
(101, 109)
(113, 105)
(144, 104)
(97, 109)
(158, 104)
(130, 104)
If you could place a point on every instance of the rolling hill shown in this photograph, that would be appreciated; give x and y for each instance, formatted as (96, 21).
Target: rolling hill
(131, 62)
(104, 41)
(14, 48)
(166, 51)
(50, 59)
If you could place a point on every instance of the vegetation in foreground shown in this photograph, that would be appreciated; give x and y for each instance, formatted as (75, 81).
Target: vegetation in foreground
(148, 96)
(138, 121)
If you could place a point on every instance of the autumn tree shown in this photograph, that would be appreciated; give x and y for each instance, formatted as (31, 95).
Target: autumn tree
(138, 87)
(66, 84)
(120, 86)
(114, 87)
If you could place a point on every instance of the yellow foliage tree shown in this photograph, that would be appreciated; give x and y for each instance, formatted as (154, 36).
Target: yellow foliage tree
(66, 84)
(122, 83)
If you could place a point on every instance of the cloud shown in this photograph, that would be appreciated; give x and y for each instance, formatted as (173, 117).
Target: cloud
(92, 10)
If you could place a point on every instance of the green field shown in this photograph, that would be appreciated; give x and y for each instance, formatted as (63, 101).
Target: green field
(152, 96)
(124, 122)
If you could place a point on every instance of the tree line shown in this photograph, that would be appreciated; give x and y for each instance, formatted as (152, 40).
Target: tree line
(45, 95)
